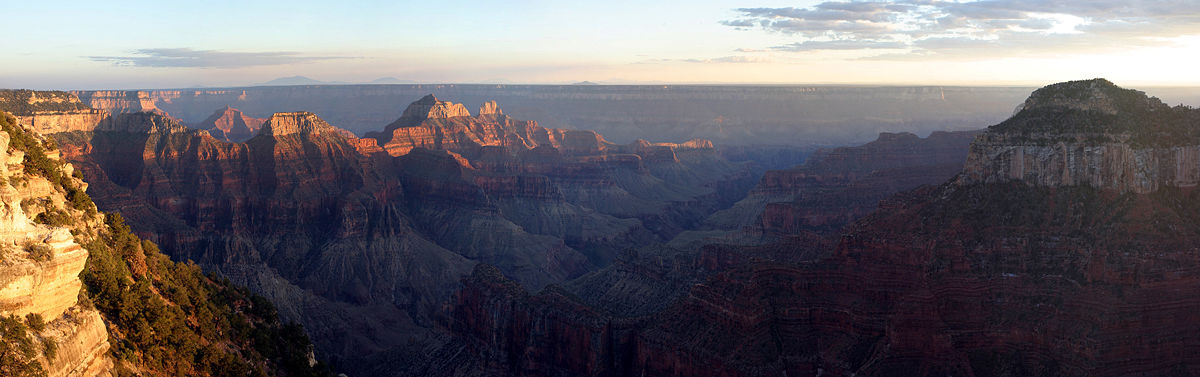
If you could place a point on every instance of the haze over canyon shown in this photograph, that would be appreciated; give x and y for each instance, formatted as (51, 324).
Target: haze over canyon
(436, 239)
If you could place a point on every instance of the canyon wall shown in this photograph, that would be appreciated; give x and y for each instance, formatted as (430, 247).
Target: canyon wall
(1015, 276)
(1074, 160)
(364, 240)
(1111, 138)
(39, 273)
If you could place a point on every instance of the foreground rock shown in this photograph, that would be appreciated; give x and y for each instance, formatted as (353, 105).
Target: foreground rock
(39, 273)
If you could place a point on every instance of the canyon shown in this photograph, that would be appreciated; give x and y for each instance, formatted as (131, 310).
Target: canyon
(446, 241)
(364, 240)
(728, 115)
(983, 274)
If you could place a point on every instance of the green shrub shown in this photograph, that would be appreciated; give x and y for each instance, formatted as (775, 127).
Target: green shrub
(18, 354)
(49, 348)
(39, 252)
(53, 217)
(35, 322)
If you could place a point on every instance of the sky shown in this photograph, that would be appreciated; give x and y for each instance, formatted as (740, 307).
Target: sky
(174, 44)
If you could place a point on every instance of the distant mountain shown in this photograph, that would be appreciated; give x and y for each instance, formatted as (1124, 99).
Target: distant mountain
(298, 80)
(585, 83)
(301, 80)
(390, 80)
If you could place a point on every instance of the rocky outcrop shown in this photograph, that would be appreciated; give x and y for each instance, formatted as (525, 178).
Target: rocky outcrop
(51, 122)
(429, 107)
(300, 123)
(1110, 138)
(489, 108)
(230, 124)
(434, 124)
(39, 272)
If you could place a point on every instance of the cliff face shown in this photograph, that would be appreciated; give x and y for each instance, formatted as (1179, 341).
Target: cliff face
(1110, 138)
(966, 278)
(39, 272)
(117, 101)
(364, 240)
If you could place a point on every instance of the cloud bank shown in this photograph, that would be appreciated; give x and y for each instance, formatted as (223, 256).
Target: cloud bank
(189, 58)
(948, 28)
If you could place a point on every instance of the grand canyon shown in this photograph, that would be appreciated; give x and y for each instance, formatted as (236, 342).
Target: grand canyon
(600, 189)
(469, 242)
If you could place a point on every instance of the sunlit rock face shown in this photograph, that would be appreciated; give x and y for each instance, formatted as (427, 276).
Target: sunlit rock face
(364, 240)
(230, 124)
(39, 271)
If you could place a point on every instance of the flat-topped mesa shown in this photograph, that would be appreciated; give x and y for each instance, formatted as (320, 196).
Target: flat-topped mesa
(429, 107)
(301, 122)
(1090, 133)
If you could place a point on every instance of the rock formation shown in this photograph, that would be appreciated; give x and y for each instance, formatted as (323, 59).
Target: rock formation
(1010, 276)
(39, 273)
(364, 240)
(1110, 138)
(118, 101)
(230, 124)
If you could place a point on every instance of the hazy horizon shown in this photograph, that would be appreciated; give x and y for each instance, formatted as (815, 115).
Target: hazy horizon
(150, 45)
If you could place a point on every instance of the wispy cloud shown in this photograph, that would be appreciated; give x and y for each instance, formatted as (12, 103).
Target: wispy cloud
(736, 59)
(948, 28)
(189, 58)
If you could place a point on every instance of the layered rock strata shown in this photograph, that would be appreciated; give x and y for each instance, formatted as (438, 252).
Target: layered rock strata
(230, 124)
(1112, 138)
(364, 240)
(39, 273)
(1006, 277)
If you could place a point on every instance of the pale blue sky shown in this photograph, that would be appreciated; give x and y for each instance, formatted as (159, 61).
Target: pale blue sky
(157, 44)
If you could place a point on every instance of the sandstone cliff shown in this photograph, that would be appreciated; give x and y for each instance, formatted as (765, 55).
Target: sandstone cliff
(39, 271)
(117, 101)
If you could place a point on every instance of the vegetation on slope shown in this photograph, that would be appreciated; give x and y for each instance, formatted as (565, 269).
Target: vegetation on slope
(164, 317)
(20, 101)
(1102, 109)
